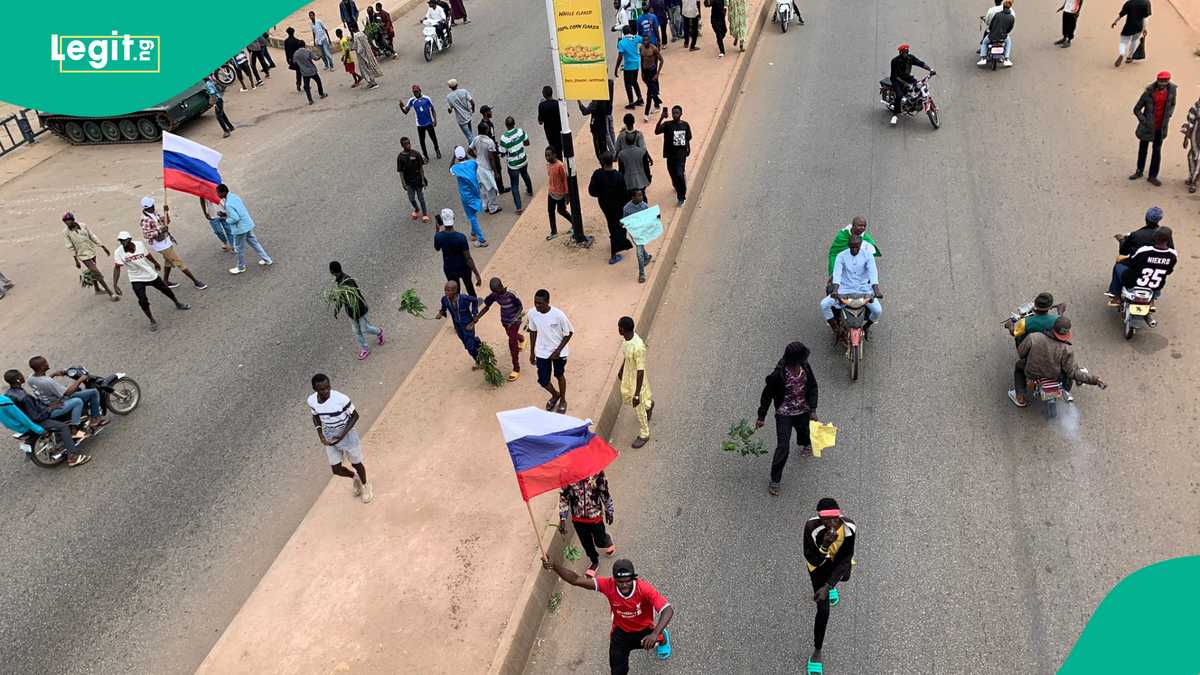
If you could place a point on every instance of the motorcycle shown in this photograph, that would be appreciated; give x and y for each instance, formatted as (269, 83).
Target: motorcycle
(1136, 305)
(995, 50)
(225, 74)
(852, 328)
(119, 395)
(783, 13)
(918, 100)
(434, 43)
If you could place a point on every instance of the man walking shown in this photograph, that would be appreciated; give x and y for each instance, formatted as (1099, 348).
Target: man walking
(1191, 143)
(426, 119)
(488, 128)
(347, 48)
(483, 149)
(550, 119)
(334, 416)
(350, 298)
(162, 242)
(557, 191)
(143, 272)
(82, 245)
(637, 202)
(589, 505)
(1070, 17)
(466, 171)
(550, 352)
(218, 102)
(368, 65)
(792, 389)
(513, 142)
(691, 23)
(1153, 111)
(349, 13)
(634, 163)
(640, 614)
(635, 387)
(829, 540)
(1136, 13)
(462, 310)
(290, 45)
(321, 40)
(462, 106)
(411, 167)
(599, 114)
(241, 228)
(629, 61)
(511, 310)
(677, 145)
(457, 263)
(607, 185)
(652, 63)
(306, 71)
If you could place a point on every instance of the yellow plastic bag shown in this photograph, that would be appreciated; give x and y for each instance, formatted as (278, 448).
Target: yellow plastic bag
(821, 435)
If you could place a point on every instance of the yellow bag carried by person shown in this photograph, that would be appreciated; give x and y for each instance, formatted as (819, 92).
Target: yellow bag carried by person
(821, 435)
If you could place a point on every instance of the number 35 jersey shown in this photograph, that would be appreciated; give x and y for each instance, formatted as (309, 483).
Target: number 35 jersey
(1148, 267)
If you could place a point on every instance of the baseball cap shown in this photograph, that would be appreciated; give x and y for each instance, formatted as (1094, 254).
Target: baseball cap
(447, 218)
(1062, 328)
(68, 216)
(1154, 214)
(124, 235)
(452, 82)
(147, 202)
(1164, 75)
(460, 152)
(1043, 301)
(623, 570)
(903, 47)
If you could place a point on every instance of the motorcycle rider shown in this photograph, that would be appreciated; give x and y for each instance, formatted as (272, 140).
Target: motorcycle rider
(841, 241)
(1048, 356)
(795, 10)
(38, 417)
(902, 79)
(854, 272)
(437, 14)
(1000, 25)
(1039, 322)
(64, 400)
(1148, 267)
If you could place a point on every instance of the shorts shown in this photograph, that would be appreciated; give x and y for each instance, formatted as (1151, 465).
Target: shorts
(172, 259)
(544, 365)
(349, 447)
(349, 67)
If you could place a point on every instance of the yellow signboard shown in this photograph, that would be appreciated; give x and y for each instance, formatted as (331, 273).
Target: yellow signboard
(581, 57)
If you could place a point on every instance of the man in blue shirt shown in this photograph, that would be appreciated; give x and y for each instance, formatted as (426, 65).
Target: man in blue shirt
(648, 24)
(854, 273)
(462, 310)
(426, 119)
(241, 228)
(629, 59)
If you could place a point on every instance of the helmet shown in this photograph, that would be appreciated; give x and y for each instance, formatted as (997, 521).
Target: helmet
(902, 48)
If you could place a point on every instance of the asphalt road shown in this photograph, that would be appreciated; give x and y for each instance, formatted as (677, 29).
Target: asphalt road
(136, 562)
(987, 534)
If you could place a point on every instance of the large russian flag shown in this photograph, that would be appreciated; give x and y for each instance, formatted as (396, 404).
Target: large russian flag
(550, 451)
(190, 167)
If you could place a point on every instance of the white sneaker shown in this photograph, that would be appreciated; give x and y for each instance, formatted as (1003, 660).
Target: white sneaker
(357, 486)
(894, 120)
(236, 270)
(1007, 63)
(981, 62)
(367, 493)
(266, 263)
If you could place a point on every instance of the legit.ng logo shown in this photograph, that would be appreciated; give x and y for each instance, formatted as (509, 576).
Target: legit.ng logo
(106, 53)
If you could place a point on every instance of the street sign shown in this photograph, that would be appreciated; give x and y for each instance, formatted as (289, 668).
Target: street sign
(579, 29)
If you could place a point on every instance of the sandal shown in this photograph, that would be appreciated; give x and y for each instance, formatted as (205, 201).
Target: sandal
(551, 403)
(833, 597)
(815, 667)
(773, 489)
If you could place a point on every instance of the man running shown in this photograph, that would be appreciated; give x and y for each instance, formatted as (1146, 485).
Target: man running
(143, 272)
(640, 613)
(829, 553)
(334, 416)
(511, 310)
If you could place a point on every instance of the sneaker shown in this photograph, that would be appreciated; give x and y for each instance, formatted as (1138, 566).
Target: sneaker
(639, 442)
(981, 62)
(76, 460)
(1117, 63)
(357, 487)
(363, 354)
(1007, 63)
(200, 285)
(367, 493)
(225, 135)
(1060, 41)
(153, 326)
(172, 284)
(1068, 397)
(324, 95)
(380, 338)
(236, 270)
(266, 263)
(591, 570)
(894, 120)
(1012, 396)
(183, 307)
(481, 244)
(514, 376)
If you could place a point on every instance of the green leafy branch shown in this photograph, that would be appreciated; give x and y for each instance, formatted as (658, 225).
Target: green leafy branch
(411, 304)
(341, 296)
(88, 278)
(741, 441)
(486, 358)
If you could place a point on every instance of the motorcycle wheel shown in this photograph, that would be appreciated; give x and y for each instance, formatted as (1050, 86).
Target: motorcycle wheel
(428, 52)
(125, 396)
(933, 118)
(994, 64)
(1129, 331)
(855, 361)
(226, 75)
(784, 24)
(45, 451)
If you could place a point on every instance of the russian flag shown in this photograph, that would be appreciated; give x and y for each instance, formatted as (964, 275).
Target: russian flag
(190, 167)
(550, 451)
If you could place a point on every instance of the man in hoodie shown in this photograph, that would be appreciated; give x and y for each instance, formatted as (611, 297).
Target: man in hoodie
(792, 388)
(829, 542)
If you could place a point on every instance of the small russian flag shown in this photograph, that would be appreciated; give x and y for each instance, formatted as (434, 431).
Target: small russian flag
(190, 167)
(550, 451)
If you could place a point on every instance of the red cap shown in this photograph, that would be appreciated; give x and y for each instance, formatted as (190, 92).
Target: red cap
(903, 47)
(1164, 75)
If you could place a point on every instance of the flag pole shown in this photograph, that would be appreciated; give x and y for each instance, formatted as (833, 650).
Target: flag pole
(536, 530)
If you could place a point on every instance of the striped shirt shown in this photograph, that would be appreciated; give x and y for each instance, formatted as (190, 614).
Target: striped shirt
(510, 306)
(334, 412)
(512, 146)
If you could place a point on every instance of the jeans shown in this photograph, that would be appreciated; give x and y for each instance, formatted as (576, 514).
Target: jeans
(592, 536)
(63, 432)
(676, 22)
(91, 397)
(1155, 146)
(416, 194)
(631, 86)
(874, 308)
(432, 132)
(985, 43)
(467, 131)
(784, 427)
(468, 339)
(361, 326)
(222, 118)
(677, 168)
(71, 407)
(513, 175)
(642, 259)
(308, 80)
(327, 54)
(239, 247)
(219, 229)
(1115, 286)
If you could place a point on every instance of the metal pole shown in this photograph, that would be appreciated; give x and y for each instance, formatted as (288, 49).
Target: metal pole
(568, 147)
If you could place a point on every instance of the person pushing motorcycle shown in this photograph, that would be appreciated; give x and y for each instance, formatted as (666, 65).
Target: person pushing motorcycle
(902, 79)
(1048, 356)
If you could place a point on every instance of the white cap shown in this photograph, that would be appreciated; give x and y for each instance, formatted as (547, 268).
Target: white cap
(447, 218)
(460, 152)
(452, 82)
(124, 235)
(147, 202)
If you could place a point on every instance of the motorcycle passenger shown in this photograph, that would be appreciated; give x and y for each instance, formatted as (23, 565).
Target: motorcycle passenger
(1039, 322)
(902, 79)
(1144, 235)
(64, 400)
(854, 273)
(437, 14)
(38, 416)
(1000, 25)
(795, 10)
(841, 241)
(1048, 356)
(1148, 267)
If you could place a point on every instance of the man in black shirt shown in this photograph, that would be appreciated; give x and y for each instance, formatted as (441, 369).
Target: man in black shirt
(290, 44)
(549, 118)
(677, 145)
(457, 263)
(902, 79)
(1135, 12)
(1144, 235)
(411, 167)
(1148, 267)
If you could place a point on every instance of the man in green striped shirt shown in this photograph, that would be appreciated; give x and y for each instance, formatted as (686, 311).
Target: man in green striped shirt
(512, 146)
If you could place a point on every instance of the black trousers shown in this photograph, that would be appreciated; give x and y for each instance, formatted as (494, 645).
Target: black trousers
(600, 141)
(257, 58)
(432, 132)
(620, 645)
(553, 205)
(1155, 155)
(222, 118)
(632, 91)
(691, 30)
(1069, 21)
(900, 89)
(139, 290)
(592, 536)
(784, 425)
(244, 69)
(677, 168)
(652, 94)
(464, 281)
(662, 29)
(821, 622)
(297, 79)
(308, 80)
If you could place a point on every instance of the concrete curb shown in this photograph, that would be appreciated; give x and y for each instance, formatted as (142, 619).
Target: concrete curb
(516, 642)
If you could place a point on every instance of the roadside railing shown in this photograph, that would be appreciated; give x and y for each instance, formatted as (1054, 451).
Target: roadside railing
(16, 130)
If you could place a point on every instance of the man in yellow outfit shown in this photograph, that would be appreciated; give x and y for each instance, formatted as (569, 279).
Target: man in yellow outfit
(635, 388)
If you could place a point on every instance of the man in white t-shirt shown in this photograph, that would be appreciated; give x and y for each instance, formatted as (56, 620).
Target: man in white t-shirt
(549, 332)
(334, 416)
(161, 241)
(143, 272)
